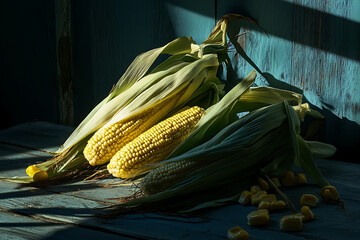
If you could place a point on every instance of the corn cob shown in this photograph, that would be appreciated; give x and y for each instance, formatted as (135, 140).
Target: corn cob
(165, 176)
(155, 144)
(103, 145)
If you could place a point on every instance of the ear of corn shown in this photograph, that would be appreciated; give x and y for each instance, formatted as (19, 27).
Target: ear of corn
(103, 145)
(155, 144)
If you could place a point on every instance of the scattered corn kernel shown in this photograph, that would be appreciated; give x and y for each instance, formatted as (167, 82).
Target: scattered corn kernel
(330, 194)
(269, 198)
(309, 200)
(300, 179)
(291, 223)
(237, 233)
(245, 197)
(264, 205)
(308, 214)
(36, 174)
(31, 170)
(263, 184)
(276, 181)
(277, 205)
(254, 189)
(256, 198)
(40, 176)
(288, 180)
(259, 217)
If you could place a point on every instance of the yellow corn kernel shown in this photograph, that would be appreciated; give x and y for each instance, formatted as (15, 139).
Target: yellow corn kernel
(263, 184)
(36, 174)
(269, 198)
(330, 194)
(237, 233)
(276, 181)
(254, 189)
(288, 180)
(300, 179)
(308, 214)
(109, 139)
(245, 197)
(309, 200)
(259, 217)
(264, 205)
(277, 205)
(155, 144)
(256, 198)
(31, 170)
(291, 223)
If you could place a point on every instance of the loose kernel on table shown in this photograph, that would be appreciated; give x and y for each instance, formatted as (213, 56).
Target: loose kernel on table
(276, 181)
(254, 189)
(291, 223)
(259, 217)
(256, 198)
(237, 233)
(264, 205)
(309, 200)
(307, 213)
(300, 179)
(269, 198)
(263, 184)
(277, 205)
(330, 194)
(245, 197)
(288, 180)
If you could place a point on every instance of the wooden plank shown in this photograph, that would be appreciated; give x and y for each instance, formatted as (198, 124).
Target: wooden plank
(15, 226)
(64, 61)
(14, 160)
(309, 48)
(76, 203)
(36, 135)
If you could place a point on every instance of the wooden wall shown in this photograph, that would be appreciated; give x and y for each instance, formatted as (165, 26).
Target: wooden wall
(311, 47)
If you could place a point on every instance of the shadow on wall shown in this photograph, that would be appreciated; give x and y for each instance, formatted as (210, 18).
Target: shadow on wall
(288, 21)
(340, 132)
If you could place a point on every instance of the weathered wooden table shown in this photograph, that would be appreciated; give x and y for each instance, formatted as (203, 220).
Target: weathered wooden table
(66, 211)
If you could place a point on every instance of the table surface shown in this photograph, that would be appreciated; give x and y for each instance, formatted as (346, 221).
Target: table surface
(66, 211)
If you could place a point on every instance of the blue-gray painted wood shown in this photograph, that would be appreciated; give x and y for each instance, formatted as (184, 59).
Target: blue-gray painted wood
(74, 204)
(108, 35)
(311, 48)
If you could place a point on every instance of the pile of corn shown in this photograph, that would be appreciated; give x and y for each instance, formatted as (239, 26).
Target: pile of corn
(175, 131)
(267, 203)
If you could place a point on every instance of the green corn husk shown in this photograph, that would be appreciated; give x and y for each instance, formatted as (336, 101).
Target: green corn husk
(136, 91)
(264, 141)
